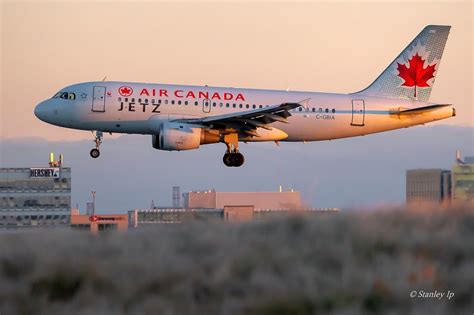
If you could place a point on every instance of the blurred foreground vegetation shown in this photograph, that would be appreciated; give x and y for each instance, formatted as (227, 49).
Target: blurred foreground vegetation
(335, 263)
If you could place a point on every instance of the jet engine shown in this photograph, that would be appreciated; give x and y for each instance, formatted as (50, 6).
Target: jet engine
(175, 136)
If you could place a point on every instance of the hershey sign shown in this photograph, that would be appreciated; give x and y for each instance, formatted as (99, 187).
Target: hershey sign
(47, 172)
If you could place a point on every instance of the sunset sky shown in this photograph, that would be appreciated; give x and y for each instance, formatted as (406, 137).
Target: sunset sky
(328, 47)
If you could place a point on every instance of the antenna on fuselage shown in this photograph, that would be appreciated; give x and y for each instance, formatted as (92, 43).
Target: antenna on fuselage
(104, 78)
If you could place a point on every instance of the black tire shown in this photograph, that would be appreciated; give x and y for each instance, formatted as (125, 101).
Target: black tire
(95, 153)
(227, 159)
(238, 159)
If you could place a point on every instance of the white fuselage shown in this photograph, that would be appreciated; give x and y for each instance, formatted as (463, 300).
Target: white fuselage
(324, 116)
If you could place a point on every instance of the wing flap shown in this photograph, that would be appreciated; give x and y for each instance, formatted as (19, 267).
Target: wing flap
(247, 121)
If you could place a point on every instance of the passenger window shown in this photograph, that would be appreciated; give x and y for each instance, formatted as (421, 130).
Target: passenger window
(196, 103)
(172, 102)
(253, 106)
(119, 99)
(153, 101)
(179, 102)
(126, 99)
(327, 110)
(185, 102)
(146, 101)
(166, 101)
(313, 109)
(159, 101)
(139, 100)
(320, 110)
(227, 105)
(234, 105)
(300, 109)
(260, 106)
(240, 105)
(132, 100)
(333, 110)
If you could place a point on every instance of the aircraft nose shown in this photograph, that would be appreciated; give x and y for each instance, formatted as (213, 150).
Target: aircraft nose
(41, 111)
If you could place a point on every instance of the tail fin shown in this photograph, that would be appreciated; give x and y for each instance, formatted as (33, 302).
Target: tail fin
(412, 74)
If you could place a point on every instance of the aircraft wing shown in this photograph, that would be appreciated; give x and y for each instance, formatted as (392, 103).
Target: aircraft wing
(246, 122)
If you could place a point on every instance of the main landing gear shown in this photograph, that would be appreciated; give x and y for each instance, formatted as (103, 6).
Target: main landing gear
(232, 157)
(95, 153)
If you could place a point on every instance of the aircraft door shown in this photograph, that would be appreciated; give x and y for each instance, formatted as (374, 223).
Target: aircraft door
(206, 105)
(98, 99)
(358, 113)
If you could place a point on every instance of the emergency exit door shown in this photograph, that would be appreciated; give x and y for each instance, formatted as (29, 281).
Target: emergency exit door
(98, 99)
(206, 105)
(358, 113)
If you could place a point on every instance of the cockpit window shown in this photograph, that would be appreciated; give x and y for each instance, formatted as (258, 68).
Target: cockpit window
(65, 95)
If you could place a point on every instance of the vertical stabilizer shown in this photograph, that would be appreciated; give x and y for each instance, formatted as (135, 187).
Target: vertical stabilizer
(412, 74)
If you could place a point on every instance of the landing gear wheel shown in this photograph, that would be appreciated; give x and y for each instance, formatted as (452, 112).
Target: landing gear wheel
(95, 153)
(227, 159)
(237, 159)
(232, 157)
(98, 141)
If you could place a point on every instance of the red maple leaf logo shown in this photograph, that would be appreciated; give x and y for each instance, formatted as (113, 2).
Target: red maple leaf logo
(416, 75)
(125, 91)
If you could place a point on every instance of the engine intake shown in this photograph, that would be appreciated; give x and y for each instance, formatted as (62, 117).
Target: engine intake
(175, 136)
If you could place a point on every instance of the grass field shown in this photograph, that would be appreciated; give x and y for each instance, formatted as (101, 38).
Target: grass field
(343, 263)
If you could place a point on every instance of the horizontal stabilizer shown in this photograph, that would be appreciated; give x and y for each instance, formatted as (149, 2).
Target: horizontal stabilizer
(419, 110)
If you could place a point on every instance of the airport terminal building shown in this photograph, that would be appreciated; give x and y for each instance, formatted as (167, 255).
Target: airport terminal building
(35, 197)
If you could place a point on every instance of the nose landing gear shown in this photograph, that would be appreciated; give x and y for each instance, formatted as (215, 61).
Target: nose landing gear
(232, 157)
(95, 153)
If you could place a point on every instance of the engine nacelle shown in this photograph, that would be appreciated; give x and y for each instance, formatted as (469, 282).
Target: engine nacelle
(174, 136)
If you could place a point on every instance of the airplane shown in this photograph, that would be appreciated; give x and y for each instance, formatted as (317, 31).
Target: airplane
(183, 117)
